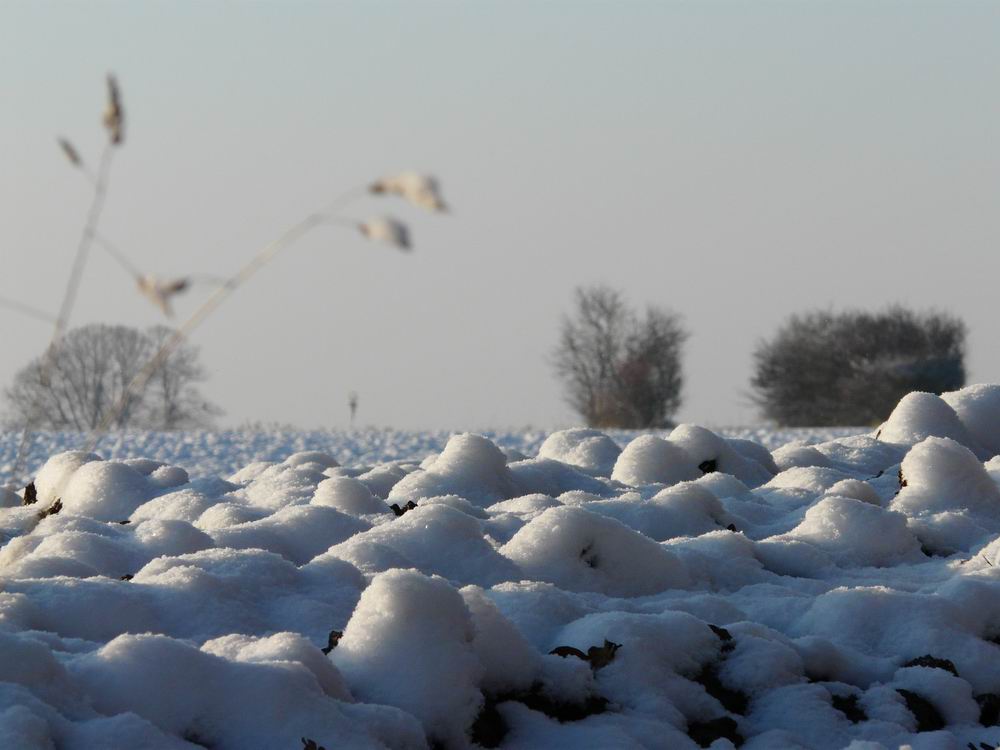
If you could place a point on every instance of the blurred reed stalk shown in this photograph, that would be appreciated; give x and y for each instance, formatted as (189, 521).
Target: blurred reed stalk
(215, 300)
(33, 312)
(114, 123)
(417, 189)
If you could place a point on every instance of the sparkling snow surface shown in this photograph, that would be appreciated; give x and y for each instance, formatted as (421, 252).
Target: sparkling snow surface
(223, 453)
(792, 589)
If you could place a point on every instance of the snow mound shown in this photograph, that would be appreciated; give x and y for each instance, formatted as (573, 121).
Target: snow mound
(408, 633)
(856, 489)
(279, 486)
(685, 509)
(652, 672)
(470, 466)
(857, 533)
(297, 533)
(922, 415)
(710, 452)
(652, 460)
(978, 406)
(436, 538)
(53, 476)
(509, 662)
(590, 450)
(791, 456)
(106, 491)
(348, 495)
(314, 460)
(952, 501)
(583, 551)
(217, 702)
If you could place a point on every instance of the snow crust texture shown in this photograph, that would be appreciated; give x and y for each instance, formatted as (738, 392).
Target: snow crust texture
(683, 589)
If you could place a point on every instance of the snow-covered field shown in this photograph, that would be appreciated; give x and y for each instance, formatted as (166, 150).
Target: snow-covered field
(415, 590)
(222, 453)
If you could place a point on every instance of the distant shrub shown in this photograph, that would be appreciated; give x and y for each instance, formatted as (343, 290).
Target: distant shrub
(619, 369)
(851, 368)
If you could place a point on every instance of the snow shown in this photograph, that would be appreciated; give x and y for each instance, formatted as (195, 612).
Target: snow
(652, 460)
(470, 466)
(348, 495)
(682, 589)
(409, 644)
(857, 533)
(950, 498)
(590, 450)
(578, 550)
(923, 415)
(978, 408)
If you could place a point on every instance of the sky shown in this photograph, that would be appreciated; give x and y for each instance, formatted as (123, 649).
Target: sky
(735, 162)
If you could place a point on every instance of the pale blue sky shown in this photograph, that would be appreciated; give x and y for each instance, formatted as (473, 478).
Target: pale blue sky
(736, 162)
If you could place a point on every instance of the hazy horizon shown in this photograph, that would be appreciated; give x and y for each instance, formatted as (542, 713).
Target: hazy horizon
(735, 163)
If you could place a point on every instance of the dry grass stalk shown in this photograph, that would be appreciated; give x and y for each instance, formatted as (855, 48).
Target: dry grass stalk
(420, 190)
(385, 229)
(114, 121)
(159, 291)
(28, 310)
(114, 115)
(71, 153)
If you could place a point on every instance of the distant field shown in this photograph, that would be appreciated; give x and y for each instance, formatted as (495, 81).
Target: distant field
(221, 453)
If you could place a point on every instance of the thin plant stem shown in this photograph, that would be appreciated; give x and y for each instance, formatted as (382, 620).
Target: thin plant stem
(117, 254)
(341, 221)
(100, 184)
(258, 261)
(83, 248)
(122, 260)
(27, 310)
(207, 278)
(88, 175)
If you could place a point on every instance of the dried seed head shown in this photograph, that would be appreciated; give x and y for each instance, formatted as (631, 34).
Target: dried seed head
(420, 190)
(387, 230)
(159, 291)
(71, 153)
(114, 115)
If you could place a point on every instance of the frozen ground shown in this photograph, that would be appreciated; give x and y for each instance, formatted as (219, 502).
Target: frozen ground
(222, 453)
(694, 589)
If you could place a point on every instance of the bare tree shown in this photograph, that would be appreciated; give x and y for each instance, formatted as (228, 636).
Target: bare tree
(172, 400)
(620, 370)
(852, 368)
(91, 370)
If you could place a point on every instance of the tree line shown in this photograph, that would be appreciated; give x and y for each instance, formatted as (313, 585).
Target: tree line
(623, 369)
(619, 367)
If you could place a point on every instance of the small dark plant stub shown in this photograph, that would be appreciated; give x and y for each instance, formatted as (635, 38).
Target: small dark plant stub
(332, 640)
(928, 718)
(848, 706)
(707, 732)
(410, 505)
(52, 510)
(489, 728)
(728, 644)
(989, 709)
(933, 662)
(597, 656)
